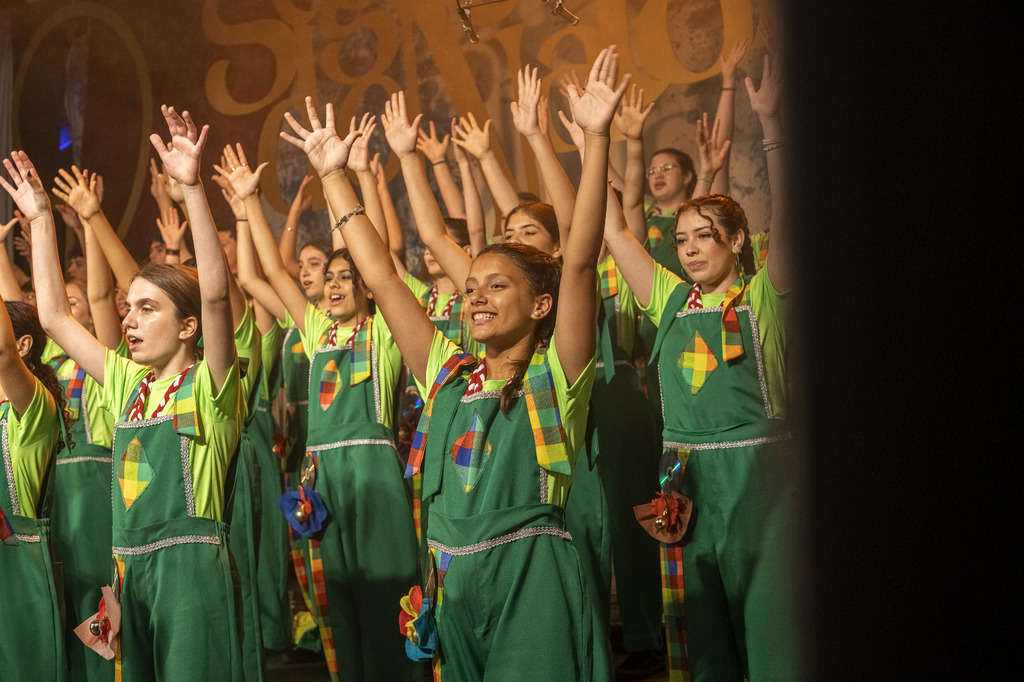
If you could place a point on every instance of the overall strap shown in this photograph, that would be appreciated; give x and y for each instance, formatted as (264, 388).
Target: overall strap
(452, 368)
(676, 302)
(545, 418)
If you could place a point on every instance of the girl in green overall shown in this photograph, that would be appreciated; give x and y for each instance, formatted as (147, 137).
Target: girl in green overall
(31, 630)
(364, 556)
(178, 429)
(720, 357)
(511, 602)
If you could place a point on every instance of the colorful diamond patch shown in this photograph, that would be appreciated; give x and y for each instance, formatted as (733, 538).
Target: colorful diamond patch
(330, 384)
(134, 473)
(471, 453)
(697, 362)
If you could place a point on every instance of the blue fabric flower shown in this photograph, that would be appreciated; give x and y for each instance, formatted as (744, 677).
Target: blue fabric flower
(314, 511)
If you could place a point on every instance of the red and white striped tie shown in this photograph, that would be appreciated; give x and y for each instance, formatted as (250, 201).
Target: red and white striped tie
(136, 413)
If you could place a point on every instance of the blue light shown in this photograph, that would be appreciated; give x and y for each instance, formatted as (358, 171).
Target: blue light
(65, 136)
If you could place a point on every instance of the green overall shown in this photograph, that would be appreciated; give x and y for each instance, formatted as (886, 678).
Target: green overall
(180, 600)
(81, 519)
(737, 554)
(243, 513)
(512, 603)
(272, 557)
(629, 444)
(366, 553)
(32, 605)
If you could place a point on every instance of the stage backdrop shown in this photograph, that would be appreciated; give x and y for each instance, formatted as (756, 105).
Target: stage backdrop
(89, 77)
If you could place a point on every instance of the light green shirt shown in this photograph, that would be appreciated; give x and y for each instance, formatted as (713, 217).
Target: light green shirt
(29, 446)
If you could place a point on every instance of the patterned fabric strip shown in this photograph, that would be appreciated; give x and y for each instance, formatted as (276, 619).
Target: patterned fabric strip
(432, 301)
(477, 378)
(732, 338)
(419, 440)
(609, 278)
(359, 339)
(74, 389)
(320, 609)
(136, 413)
(545, 419)
(675, 612)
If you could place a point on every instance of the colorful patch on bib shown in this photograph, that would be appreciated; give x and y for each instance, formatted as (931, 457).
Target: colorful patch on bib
(697, 362)
(471, 453)
(330, 384)
(134, 473)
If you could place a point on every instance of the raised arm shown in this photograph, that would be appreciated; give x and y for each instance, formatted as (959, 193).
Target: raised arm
(401, 135)
(556, 182)
(592, 110)
(10, 290)
(714, 158)
(182, 164)
(471, 196)
(328, 154)
(630, 122)
(359, 163)
(287, 246)
(16, 379)
(436, 152)
(79, 192)
(244, 182)
(251, 279)
(477, 141)
(396, 239)
(51, 298)
(726, 114)
(99, 289)
(765, 102)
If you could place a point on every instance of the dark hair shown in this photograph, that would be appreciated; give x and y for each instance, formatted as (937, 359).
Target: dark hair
(321, 244)
(357, 279)
(685, 166)
(543, 214)
(727, 214)
(181, 284)
(528, 198)
(543, 274)
(25, 320)
(27, 286)
(458, 228)
(230, 230)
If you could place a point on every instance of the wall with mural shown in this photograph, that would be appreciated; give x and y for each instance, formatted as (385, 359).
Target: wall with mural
(89, 77)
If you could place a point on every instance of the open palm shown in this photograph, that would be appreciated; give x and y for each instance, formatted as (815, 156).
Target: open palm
(181, 160)
(326, 151)
(594, 108)
(27, 191)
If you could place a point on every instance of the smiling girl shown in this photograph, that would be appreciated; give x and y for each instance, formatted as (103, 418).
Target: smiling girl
(513, 602)
(178, 429)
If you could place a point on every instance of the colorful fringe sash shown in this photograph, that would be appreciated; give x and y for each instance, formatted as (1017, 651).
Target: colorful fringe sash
(732, 338)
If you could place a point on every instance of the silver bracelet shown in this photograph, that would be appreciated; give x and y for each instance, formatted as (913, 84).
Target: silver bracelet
(347, 217)
(774, 143)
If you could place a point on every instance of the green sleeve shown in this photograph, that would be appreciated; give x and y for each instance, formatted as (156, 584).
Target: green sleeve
(120, 377)
(573, 401)
(389, 366)
(441, 348)
(51, 350)
(418, 287)
(248, 348)
(220, 414)
(664, 284)
(769, 307)
(318, 324)
(270, 349)
(30, 440)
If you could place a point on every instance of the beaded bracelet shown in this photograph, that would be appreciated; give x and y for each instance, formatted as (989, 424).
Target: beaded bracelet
(347, 217)
(172, 252)
(774, 143)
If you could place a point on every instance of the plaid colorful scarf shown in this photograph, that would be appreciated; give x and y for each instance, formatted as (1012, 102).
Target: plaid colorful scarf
(545, 419)
(732, 339)
(452, 314)
(609, 278)
(419, 440)
(186, 415)
(359, 340)
(73, 390)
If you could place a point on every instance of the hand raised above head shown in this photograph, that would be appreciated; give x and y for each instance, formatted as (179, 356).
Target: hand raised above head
(27, 190)
(327, 152)
(712, 156)
(524, 110)
(401, 135)
(181, 157)
(630, 120)
(765, 100)
(78, 191)
(242, 180)
(594, 109)
(471, 137)
(432, 147)
(359, 156)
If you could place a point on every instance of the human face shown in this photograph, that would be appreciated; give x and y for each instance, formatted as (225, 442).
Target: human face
(503, 310)
(121, 301)
(79, 305)
(76, 269)
(311, 272)
(347, 302)
(157, 252)
(230, 248)
(523, 229)
(155, 335)
(434, 269)
(667, 187)
(707, 252)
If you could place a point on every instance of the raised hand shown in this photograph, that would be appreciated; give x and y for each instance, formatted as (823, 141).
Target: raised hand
(402, 135)
(731, 62)
(78, 192)
(434, 149)
(71, 219)
(326, 151)
(524, 110)
(712, 155)
(457, 151)
(242, 179)
(181, 159)
(630, 120)
(171, 229)
(594, 108)
(6, 229)
(543, 116)
(569, 79)
(765, 99)
(304, 197)
(359, 156)
(236, 203)
(27, 190)
(471, 137)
